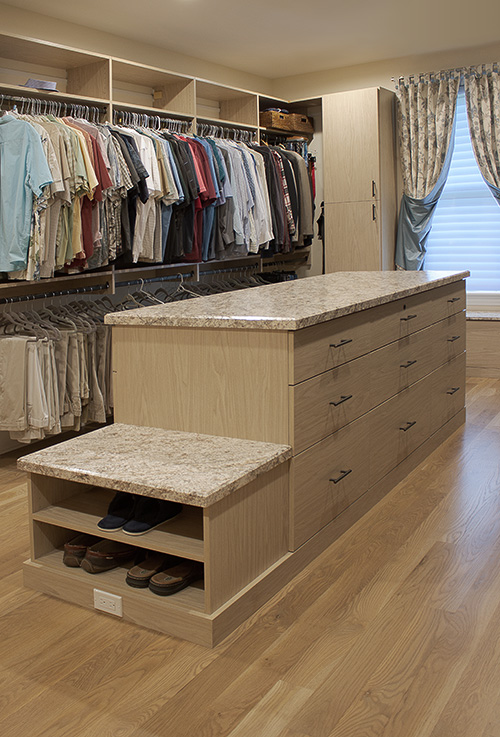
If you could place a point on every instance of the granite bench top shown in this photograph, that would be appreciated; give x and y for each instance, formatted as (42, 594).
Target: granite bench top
(289, 305)
(166, 464)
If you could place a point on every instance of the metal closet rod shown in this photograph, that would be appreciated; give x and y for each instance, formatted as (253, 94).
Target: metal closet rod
(245, 267)
(39, 106)
(56, 293)
(172, 277)
(129, 117)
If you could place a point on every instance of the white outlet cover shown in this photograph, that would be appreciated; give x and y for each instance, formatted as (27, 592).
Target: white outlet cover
(109, 603)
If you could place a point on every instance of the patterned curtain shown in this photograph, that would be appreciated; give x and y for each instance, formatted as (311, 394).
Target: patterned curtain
(482, 96)
(426, 116)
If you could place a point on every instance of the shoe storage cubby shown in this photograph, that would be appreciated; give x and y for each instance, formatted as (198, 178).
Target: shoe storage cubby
(239, 535)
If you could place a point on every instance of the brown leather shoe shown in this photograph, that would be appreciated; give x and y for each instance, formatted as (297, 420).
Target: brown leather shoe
(176, 578)
(75, 549)
(107, 554)
(139, 575)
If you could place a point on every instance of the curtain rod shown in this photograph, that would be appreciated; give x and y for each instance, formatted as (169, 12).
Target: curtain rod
(459, 70)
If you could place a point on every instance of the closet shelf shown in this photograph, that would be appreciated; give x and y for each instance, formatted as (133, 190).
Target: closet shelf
(162, 112)
(182, 535)
(190, 598)
(21, 91)
(221, 121)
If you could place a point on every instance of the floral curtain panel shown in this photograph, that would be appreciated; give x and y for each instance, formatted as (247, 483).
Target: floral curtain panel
(482, 95)
(426, 114)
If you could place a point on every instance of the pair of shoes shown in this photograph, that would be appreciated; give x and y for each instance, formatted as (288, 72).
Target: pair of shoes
(75, 549)
(136, 515)
(106, 555)
(164, 574)
(176, 578)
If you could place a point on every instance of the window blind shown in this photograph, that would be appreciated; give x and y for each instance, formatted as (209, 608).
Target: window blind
(465, 230)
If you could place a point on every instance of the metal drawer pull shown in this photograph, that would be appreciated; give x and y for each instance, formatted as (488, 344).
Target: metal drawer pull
(343, 398)
(408, 425)
(453, 338)
(454, 299)
(453, 390)
(344, 341)
(408, 317)
(343, 474)
(373, 188)
(374, 212)
(408, 364)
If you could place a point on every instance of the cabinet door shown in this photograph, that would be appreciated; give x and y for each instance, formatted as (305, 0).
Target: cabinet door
(352, 237)
(351, 146)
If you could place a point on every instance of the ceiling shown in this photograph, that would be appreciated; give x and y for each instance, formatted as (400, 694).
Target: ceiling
(277, 38)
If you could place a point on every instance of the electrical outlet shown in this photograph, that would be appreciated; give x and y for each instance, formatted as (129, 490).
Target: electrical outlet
(106, 602)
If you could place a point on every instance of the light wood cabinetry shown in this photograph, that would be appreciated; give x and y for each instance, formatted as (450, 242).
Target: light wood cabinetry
(237, 539)
(354, 396)
(359, 180)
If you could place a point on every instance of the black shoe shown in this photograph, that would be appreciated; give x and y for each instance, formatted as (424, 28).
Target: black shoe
(150, 513)
(121, 510)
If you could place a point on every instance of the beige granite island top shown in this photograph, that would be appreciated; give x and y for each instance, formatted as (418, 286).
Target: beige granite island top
(289, 305)
(166, 464)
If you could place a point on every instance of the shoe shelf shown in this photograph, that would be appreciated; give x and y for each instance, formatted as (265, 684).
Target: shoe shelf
(234, 520)
(181, 536)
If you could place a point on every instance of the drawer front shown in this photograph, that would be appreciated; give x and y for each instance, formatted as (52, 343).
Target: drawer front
(325, 403)
(322, 347)
(449, 391)
(327, 478)
(332, 474)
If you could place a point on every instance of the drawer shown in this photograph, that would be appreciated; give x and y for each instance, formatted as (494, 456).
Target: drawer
(327, 478)
(325, 403)
(322, 347)
(449, 391)
(399, 426)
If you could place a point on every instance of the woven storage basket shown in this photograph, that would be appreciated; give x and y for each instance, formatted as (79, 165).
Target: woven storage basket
(286, 121)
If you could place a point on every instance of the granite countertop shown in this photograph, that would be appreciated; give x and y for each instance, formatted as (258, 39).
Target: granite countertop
(165, 464)
(289, 305)
(475, 315)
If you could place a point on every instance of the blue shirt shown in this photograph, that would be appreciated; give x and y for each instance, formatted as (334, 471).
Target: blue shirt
(24, 173)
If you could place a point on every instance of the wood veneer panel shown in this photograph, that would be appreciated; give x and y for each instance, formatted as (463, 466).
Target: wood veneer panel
(232, 383)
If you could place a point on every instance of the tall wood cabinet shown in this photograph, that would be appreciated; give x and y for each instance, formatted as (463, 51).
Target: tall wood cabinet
(359, 180)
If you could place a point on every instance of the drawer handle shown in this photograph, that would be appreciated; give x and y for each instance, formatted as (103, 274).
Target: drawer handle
(343, 398)
(454, 299)
(408, 317)
(408, 364)
(374, 191)
(453, 338)
(343, 474)
(344, 341)
(453, 390)
(374, 213)
(408, 425)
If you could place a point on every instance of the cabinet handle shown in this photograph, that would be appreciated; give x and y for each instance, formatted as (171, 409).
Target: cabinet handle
(343, 474)
(453, 390)
(453, 338)
(374, 212)
(343, 398)
(454, 299)
(374, 193)
(408, 425)
(407, 364)
(408, 317)
(344, 341)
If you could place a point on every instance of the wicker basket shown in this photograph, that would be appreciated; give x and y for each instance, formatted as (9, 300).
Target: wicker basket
(292, 122)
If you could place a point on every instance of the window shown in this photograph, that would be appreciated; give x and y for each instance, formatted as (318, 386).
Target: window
(465, 230)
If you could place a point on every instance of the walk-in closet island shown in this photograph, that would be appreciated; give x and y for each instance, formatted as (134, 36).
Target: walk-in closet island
(361, 374)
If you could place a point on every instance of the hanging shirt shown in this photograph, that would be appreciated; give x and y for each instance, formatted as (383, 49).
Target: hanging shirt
(24, 172)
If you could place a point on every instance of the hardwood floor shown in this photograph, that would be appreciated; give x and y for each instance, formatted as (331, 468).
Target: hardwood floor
(394, 631)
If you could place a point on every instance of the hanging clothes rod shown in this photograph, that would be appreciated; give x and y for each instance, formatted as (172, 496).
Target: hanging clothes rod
(57, 293)
(172, 277)
(156, 122)
(244, 267)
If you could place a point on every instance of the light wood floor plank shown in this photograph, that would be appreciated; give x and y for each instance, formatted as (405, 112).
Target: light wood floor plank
(393, 631)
